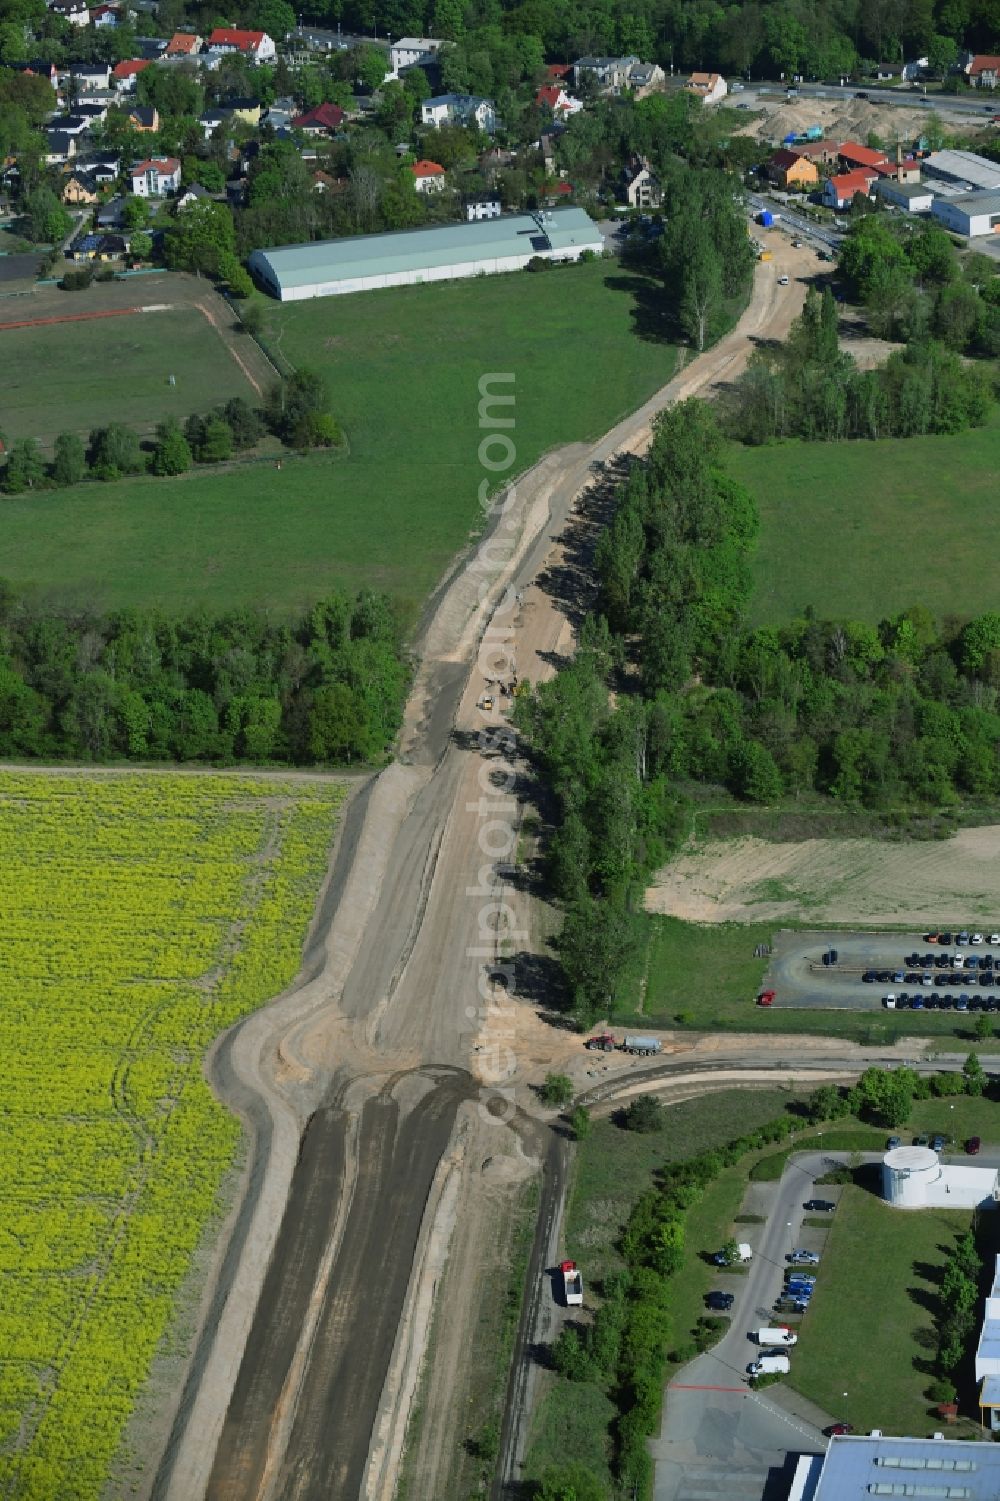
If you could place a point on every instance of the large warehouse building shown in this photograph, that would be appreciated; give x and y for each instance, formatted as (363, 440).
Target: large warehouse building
(408, 257)
(969, 214)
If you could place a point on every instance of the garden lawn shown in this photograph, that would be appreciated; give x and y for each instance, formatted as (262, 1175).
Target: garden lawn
(404, 367)
(869, 1330)
(72, 377)
(143, 914)
(860, 530)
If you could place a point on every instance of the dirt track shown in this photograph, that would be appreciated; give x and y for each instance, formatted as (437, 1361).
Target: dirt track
(417, 914)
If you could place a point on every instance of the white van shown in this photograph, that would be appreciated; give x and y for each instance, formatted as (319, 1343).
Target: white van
(776, 1337)
(770, 1365)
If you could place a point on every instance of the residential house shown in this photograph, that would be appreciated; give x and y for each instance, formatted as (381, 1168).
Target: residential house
(708, 87)
(111, 215)
(611, 74)
(124, 75)
(428, 177)
(639, 185)
(89, 78)
(787, 169)
(245, 111)
(823, 152)
(279, 118)
(482, 206)
(255, 45)
(70, 125)
(643, 78)
(211, 119)
(156, 176)
(839, 191)
(76, 12)
(557, 192)
(183, 44)
(460, 109)
(106, 16)
(151, 48)
(558, 72)
(852, 155)
(554, 98)
(324, 120)
(984, 71)
(914, 71)
(144, 118)
(194, 194)
(59, 147)
(97, 247)
(322, 182)
(102, 166)
(38, 70)
(80, 187)
(413, 52)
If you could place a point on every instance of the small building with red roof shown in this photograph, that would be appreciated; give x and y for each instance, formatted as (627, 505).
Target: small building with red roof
(124, 75)
(428, 177)
(852, 155)
(984, 70)
(553, 97)
(182, 44)
(325, 119)
(839, 191)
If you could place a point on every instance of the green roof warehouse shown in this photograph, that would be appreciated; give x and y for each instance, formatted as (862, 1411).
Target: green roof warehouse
(408, 257)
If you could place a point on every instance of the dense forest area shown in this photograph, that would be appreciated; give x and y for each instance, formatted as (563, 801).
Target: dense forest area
(136, 685)
(670, 686)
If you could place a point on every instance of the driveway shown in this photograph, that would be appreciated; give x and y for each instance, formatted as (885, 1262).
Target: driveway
(719, 1438)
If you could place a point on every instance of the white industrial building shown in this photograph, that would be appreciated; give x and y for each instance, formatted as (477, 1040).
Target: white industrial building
(410, 257)
(857, 1467)
(970, 214)
(965, 170)
(916, 1178)
(914, 197)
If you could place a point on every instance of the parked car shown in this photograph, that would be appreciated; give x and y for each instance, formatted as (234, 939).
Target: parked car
(944, 938)
(819, 1206)
(995, 938)
(972, 1146)
(804, 1258)
(977, 938)
(838, 1430)
(931, 937)
(892, 1143)
(962, 1004)
(937, 1143)
(720, 1301)
(766, 998)
(920, 1141)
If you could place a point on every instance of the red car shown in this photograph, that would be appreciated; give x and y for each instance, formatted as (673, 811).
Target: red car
(766, 998)
(838, 1430)
(972, 1146)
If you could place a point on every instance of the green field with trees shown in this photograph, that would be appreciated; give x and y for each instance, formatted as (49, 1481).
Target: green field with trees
(403, 367)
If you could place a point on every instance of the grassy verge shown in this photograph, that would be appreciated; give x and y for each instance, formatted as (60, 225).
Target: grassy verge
(823, 541)
(405, 367)
(871, 1335)
(856, 1138)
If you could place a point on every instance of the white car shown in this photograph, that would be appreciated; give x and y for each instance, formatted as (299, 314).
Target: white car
(977, 938)
(804, 1258)
(782, 281)
(995, 938)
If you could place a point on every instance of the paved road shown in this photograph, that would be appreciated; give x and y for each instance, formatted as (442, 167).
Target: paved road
(718, 1438)
(908, 99)
(788, 219)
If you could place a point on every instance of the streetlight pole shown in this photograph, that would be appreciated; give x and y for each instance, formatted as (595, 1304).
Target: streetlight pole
(846, 1423)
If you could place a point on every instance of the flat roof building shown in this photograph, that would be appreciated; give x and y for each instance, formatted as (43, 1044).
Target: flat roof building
(409, 257)
(856, 1468)
(969, 214)
(963, 168)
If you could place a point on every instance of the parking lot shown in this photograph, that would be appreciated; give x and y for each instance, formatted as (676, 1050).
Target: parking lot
(938, 970)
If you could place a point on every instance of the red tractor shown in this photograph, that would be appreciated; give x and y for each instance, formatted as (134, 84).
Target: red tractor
(605, 1043)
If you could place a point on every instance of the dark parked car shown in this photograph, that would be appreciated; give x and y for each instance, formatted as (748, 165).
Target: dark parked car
(838, 1430)
(721, 1301)
(920, 1141)
(869, 977)
(819, 1206)
(944, 938)
(937, 1143)
(973, 1145)
(892, 1143)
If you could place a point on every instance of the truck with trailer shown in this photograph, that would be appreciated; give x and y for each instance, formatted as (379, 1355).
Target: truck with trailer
(605, 1042)
(572, 1284)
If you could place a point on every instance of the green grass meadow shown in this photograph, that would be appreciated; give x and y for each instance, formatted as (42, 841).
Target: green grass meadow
(404, 366)
(869, 1330)
(864, 530)
(72, 377)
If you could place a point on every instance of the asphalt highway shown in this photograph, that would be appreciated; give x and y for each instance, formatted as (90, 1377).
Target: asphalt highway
(959, 104)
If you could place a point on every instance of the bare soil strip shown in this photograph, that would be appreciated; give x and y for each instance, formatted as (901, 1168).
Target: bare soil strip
(839, 881)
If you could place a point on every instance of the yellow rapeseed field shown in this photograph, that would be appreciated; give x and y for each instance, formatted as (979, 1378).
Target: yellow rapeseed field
(140, 915)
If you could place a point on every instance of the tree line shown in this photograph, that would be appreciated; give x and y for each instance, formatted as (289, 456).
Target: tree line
(671, 686)
(137, 685)
(296, 411)
(809, 388)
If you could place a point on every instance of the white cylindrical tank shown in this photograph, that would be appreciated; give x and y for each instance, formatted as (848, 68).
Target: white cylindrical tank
(906, 1174)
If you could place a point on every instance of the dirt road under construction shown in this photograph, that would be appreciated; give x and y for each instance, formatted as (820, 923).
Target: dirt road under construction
(387, 1092)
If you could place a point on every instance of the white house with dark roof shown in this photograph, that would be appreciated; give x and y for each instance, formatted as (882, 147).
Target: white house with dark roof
(413, 52)
(460, 109)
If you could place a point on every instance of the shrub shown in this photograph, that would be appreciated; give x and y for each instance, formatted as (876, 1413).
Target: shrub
(557, 1089)
(644, 1113)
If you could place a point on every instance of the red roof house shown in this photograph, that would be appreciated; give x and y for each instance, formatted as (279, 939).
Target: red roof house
(255, 44)
(182, 44)
(853, 155)
(428, 177)
(122, 72)
(984, 70)
(558, 70)
(324, 118)
(838, 192)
